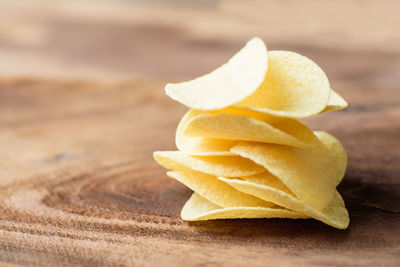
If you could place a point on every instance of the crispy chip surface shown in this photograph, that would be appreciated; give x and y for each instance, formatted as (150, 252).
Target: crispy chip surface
(216, 191)
(228, 166)
(294, 87)
(228, 84)
(311, 174)
(198, 208)
(337, 153)
(233, 127)
(269, 188)
(242, 149)
(200, 146)
(336, 102)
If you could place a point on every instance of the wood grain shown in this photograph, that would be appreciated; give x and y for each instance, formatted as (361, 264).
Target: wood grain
(82, 109)
(79, 186)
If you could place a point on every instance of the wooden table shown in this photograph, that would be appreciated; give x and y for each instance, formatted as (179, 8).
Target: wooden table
(82, 108)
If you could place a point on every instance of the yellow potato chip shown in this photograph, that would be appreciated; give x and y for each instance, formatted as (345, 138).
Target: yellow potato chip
(198, 208)
(199, 146)
(311, 174)
(232, 127)
(294, 87)
(337, 153)
(248, 113)
(267, 179)
(219, 193)
(228, 166)
(228, 84)
(269, 188)
(336, 102)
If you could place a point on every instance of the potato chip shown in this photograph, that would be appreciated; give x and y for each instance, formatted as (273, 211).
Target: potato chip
(199, 146)
(228, 84)
(337, 153)
(336, 102)
(311, 174)
(249, 113)
(267, 179)
(219, 193)
(198, 208)
(228, 166)
(269, 188)
(294, 87)
(232, 127)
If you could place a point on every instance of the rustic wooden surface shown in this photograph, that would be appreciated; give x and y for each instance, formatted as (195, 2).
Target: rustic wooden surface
(82, 109)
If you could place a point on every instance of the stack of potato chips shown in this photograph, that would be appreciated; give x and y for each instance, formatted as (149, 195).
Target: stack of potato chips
(243, 150)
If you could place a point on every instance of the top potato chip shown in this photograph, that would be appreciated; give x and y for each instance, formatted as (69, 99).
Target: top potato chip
(294, 87)
(228, 84)
(278, 83)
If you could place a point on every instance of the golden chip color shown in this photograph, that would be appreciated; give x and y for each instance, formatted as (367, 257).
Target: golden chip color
(234, 166)
(336, 102)
(200, 146)
(232, 127)
(216, 191)
(337, 153)
(242, 149)
(310, 173)
(228, 84)
(334, 214)
(198, 209)
(269, 188)
(234, 110)
(294, 87)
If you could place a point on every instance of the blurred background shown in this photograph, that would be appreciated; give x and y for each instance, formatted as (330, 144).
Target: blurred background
(352, 41)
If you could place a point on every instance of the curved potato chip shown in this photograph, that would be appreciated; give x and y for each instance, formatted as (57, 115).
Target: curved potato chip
(232, 127)
(198, 208)
(219, 193)
(311, 174)
(269, 188)
(248, 113)
(337, 153)
(267, 179)
(228, 84)
(336, 102)
(199, 146)
(294, 87)
(228, 166)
